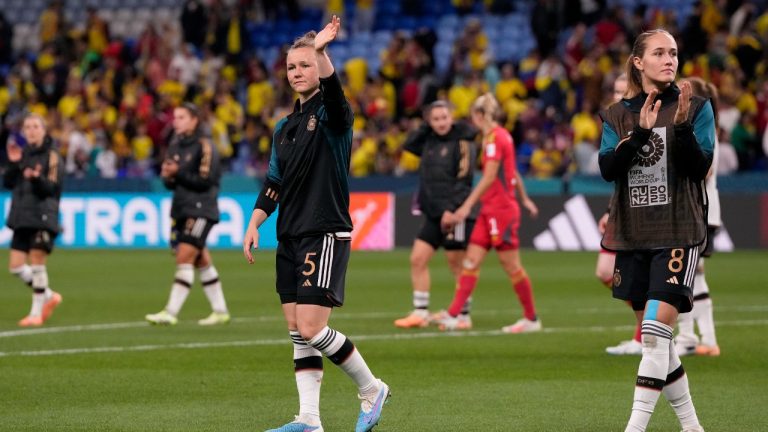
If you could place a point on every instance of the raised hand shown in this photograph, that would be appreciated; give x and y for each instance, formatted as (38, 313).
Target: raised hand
(683, 102)
(14, 151)
(650, 110)
(327, 34)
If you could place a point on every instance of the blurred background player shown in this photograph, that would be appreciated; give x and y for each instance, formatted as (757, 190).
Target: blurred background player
(686, 341)
(191, 170)
(657, 147)
(606, 260)
(497, 222)
(309, 169)
(34, 175)
(446, 172)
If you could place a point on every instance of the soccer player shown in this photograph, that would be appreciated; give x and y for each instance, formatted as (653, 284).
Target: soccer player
(308, 177)
(191, 170)
(34, 175)
(687, 342)
(657, 147)
(498, 221)
(446, 171)
(606, 260)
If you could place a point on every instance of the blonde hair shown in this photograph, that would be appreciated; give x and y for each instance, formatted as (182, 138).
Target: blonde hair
(487, 105)
(307, 40)
(634, 77)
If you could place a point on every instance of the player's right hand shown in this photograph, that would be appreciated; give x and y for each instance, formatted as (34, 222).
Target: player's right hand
(650, 110)
(13, 151)
(251, 241)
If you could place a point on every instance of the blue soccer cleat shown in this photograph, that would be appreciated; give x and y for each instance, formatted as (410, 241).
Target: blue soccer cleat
(370, 409)
(297, 426)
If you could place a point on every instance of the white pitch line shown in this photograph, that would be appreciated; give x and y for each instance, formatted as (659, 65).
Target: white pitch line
(373, 337)
(336, 316)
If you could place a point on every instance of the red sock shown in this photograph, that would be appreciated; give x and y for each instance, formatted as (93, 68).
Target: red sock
(637, 332)
(467, 283)
(524, 293)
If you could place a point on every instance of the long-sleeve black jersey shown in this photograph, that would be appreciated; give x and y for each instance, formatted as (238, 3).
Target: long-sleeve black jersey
(196, 185)
(446, 169)
(310, 162)
(35, 201)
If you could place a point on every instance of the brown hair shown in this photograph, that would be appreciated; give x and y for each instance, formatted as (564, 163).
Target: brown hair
(307, 40)
(37, 117)
(706, 90)
(634, 78)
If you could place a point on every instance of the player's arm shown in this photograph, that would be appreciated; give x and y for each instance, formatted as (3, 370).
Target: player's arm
(490, 173)
(12, 175)
(339, 113)
(50, 184)
(415, 141)
(465, 173)
(695, 144)
(206, 174)
(523, 194)
(616, 155)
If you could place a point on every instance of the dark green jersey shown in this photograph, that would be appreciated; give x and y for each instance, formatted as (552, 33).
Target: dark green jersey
(310, 162)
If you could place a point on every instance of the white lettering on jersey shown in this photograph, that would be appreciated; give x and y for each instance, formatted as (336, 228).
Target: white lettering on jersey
(490, 150)
(648, 185)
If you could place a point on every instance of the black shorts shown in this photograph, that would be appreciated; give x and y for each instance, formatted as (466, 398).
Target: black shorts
(193, 231)
(709, 248)
(25, 239)
(660, 274)
(456, 239)
(312, 270)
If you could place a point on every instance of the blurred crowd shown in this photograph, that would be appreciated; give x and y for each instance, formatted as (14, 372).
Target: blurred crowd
(108, 100)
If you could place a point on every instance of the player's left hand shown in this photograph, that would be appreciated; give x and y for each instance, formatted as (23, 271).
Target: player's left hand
(683, 102)
(31, 173)
(446, 221)
(533, 210)
(327, 34)
(169, 168)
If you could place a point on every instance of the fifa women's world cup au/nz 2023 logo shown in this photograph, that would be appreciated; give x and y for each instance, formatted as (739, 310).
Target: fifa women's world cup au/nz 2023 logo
(648, 176)
(651, 152)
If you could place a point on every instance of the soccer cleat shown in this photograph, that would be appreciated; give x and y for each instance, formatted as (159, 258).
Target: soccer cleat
(465, 322)
(415, 319)
(162, 318)
(523, 325)
(446, 322)
(707, 350)
(696, 429)
(50, 305)
(215, 318)
(685, 350)
(31, 321)
(628, 347)
(297, 426)
(370, 408)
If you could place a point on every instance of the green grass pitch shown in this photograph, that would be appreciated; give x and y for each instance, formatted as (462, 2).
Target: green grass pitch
(96, 366)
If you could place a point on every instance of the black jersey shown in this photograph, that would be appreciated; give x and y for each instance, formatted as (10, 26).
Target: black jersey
(35, 202)
(446, 169)
(311, 149)
(196, 185)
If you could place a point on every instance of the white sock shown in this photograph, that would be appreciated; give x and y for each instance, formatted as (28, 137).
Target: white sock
(467, 308)
(308, 366)
(702, 310)
(39, 285)
(342, 352)
(23, 272)
(185, 276)
(677, 393)
(686, 336)
(420, 300)
(657, 338)
(209, 277)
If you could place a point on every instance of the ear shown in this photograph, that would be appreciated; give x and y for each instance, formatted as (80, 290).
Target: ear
(638, 62)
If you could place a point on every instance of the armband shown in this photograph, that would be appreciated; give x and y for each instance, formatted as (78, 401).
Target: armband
(268, 197)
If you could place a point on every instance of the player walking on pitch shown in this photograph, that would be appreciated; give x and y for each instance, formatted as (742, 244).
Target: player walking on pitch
(34, 175)
(308, 177)
(657, 147)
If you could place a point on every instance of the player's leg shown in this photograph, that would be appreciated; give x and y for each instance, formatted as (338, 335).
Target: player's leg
(470, 271)
(324, 267)
(307, 361)
(703, 315)
(17, 265)
(44, 300)
(511, 263)
(606, 262)
(209, 278)
(455, 244)
(421, 253)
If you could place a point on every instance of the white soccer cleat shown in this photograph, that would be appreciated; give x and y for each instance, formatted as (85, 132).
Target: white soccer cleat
(465, 322)
(685, 350)
(628, 347)
(446, 322)
(523, 325)
(215, 318)
(696, 429)
(162, 318)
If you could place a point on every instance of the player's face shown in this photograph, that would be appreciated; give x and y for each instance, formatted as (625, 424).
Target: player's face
(619, 88)
(440, 120)
(183, 122)
(658, 65)
(33, 131)
(303, 75)
(477, 119)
